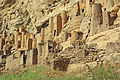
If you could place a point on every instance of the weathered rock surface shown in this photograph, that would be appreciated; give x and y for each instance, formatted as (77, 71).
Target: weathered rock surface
(105, 37)
(64, 34)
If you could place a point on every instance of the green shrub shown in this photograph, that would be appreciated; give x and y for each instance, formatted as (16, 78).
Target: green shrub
(106, 72)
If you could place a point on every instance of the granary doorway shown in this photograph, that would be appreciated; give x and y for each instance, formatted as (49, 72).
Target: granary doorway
(24, 60)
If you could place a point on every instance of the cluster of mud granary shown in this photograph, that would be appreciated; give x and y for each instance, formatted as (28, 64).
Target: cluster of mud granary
(55, 45)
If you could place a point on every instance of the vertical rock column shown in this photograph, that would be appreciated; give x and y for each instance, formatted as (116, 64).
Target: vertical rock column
(39, 48)
(29, 44)
(89, 4)
(1, 43)
(64, 18)
(23, 40)
(47, 33)
(34, 54)
(26, 39)
(29, 36)
(17, 36)
(22, 58)
(42, 34)
(51, 25)
(59, 24)
(45, 50)
(20, 37)
(106, 19)
(4, 35)
(80, 6)
(78, 9)
(32, 58)
(7, 38)
(34, 44)
(96, 18)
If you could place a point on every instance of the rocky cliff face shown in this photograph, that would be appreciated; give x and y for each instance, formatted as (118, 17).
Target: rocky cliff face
(26, 12)
(63, 34)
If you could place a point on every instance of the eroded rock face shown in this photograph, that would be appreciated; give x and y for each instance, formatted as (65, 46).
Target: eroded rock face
(5, 3)
(105, 37)
(64, 34)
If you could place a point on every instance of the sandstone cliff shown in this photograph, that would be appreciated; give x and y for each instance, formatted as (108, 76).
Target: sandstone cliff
(63, 34)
